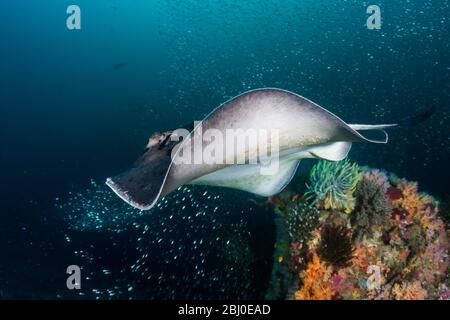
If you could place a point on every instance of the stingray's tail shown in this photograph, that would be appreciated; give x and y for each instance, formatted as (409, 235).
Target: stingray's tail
(419, 116)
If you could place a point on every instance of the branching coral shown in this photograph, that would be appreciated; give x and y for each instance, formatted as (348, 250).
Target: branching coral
(372, 208)
(332, 185)
(336, 245)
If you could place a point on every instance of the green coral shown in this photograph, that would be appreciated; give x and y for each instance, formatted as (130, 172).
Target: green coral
(332, 185)
(372, 208)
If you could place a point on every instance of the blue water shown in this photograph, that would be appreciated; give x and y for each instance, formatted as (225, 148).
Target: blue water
(79, 105)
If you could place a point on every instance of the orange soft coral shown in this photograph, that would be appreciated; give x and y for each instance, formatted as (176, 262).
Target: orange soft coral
(317, 284)
(411, 200)
(360, 258)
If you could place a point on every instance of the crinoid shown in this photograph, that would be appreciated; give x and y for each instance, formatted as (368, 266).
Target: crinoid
(332, 185)
(335, 246)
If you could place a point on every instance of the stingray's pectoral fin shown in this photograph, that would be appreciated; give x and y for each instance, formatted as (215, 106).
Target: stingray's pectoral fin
(376, 127)
(135, 188)
(140, 186)
(249, 177)
(335, 151)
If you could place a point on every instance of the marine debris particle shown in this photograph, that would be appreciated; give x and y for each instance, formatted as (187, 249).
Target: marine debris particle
(393, 244)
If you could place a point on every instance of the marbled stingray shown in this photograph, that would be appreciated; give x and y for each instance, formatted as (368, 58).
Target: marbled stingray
(306, 130)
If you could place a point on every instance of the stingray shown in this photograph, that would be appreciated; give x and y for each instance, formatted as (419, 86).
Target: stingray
(306, 130)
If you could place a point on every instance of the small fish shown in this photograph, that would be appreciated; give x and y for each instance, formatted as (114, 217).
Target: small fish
(418, 117)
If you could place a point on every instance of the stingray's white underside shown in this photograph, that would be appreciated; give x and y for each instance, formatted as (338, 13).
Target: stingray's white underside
(249, 177)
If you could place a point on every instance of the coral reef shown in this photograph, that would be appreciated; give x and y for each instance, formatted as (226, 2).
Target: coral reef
(392, 243)
(332, 185)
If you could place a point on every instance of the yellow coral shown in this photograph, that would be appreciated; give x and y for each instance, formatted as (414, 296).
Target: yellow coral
(316, 281)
